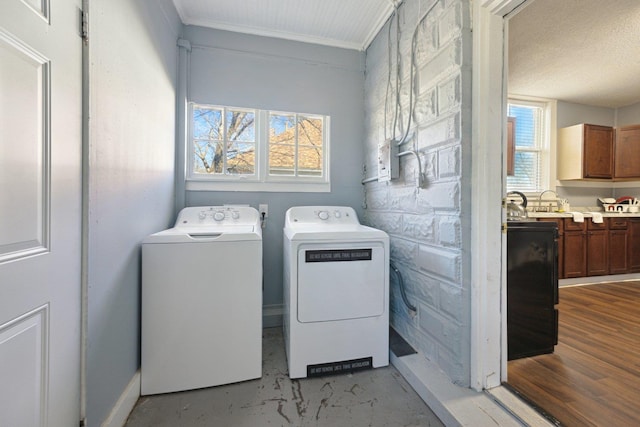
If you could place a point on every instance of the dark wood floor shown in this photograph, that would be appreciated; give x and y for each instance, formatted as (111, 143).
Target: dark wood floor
(593, 377)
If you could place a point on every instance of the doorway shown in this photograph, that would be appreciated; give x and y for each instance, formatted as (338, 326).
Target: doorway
(579, 358)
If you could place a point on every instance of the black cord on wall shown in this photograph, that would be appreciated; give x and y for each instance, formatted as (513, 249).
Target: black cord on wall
(402, 291)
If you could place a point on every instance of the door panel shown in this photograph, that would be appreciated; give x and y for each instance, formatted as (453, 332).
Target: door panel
(23, 350)
(24, 149)
(40, 211)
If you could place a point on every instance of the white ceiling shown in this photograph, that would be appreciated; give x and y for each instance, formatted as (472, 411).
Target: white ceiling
(350, 24)
(582, 51)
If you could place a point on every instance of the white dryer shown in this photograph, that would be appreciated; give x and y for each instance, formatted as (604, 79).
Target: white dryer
(202, 301)
(336, 292)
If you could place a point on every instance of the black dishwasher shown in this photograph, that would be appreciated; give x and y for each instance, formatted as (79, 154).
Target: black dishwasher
(532, 288)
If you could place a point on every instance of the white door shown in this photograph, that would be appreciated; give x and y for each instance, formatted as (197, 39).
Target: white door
(40, 212)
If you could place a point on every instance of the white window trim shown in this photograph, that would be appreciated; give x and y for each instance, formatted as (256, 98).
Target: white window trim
(261, 180)
(549, 161)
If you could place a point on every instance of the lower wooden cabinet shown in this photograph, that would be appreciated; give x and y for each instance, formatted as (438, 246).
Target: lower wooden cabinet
(597, 248)
(589, 249)
(618, 245)
(634, 245)
(618, 253)
(575, 254)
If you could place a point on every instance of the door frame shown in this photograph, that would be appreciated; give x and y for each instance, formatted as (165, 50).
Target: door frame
(488, 242)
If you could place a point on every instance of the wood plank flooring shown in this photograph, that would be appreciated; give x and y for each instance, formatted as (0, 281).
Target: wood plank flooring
(593, 377)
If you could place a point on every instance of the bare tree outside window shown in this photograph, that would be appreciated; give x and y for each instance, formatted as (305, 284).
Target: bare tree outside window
(224, 141)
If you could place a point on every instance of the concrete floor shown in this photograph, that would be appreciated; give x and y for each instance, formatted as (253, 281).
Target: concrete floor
(378, 397)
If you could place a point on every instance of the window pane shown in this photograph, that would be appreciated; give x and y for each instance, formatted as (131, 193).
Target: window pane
(527, 165)
(529, 125)
(240, 125)
(241, 158)
(207, 157)
(281, 159)
(310, 161)
(309, 146)
(282, 138)
(310, 131)
(207, 123)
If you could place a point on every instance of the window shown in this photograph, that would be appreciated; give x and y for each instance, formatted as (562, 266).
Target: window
(224, 141)
(257, 150)
(532, 146)
(295, 145)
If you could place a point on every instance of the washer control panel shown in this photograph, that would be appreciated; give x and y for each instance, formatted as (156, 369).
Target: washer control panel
(333, 215)
(217, 215)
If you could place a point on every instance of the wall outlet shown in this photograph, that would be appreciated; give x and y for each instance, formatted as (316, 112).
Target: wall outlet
(264, 210)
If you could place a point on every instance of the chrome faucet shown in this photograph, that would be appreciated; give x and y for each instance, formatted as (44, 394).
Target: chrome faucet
(549, 205)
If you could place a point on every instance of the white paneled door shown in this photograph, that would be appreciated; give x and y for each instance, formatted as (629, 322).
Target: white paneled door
(40, 212)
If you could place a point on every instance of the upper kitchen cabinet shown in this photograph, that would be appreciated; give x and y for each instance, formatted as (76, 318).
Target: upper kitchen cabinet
(585, 152)
(627, 152)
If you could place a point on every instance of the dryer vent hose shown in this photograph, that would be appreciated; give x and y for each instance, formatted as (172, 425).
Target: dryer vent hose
(402, 291)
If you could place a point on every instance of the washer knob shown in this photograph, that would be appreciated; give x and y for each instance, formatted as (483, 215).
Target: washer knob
(323, 215)
(202, 215)
(337, 214)
(235, 214)
(218, 216)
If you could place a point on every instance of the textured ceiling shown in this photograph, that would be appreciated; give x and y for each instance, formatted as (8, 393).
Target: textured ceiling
(582, 51)
(350, 24)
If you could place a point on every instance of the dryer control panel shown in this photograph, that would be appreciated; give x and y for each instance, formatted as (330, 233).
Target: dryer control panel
(217, 215)
(333, 215)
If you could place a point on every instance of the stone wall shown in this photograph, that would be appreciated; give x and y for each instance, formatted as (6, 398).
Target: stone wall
(428, 226)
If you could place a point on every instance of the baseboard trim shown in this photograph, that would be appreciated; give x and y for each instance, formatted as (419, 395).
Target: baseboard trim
(123, 407)
(454, 405)
(272, 315)
(598, 279)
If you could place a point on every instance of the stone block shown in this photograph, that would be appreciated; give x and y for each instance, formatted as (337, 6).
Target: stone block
(439, 196)
(449, 232)
(439, 262)
(449, 162)
(419, 227)
(443, 131)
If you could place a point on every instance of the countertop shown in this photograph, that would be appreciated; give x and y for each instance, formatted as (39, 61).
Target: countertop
(587, 214)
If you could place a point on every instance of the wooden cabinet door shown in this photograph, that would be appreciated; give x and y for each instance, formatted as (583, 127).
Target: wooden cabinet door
(598, 151)
(597, 252)
(627, 152)
(618, 256)
(634, 245)
(575, 254)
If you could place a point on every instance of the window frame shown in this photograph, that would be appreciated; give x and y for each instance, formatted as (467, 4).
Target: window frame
(547, 151)
(262, 180)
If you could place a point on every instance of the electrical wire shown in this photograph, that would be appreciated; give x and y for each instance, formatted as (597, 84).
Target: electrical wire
(412, 72)
(401, 285)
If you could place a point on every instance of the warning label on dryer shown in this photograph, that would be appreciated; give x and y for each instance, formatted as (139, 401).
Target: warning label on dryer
(335, 255)
(339, 367)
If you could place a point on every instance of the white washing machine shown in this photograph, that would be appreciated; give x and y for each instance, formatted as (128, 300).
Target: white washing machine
(202, 300)
(336, 292)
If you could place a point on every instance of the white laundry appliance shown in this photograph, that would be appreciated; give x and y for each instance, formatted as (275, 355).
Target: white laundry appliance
(202, 300)
(336, 292)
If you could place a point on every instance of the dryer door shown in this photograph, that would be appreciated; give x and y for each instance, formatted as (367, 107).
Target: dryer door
(339, 281)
